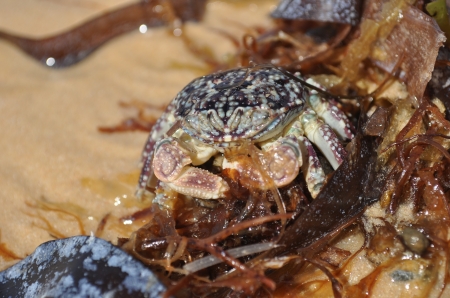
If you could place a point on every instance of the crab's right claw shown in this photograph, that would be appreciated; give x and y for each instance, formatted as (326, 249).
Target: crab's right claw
(285, 161)
(170, 165)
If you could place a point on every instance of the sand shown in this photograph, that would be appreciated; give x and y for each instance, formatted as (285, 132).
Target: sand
(51, 149)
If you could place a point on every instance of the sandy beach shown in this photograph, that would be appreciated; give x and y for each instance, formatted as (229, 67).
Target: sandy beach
(52, 155)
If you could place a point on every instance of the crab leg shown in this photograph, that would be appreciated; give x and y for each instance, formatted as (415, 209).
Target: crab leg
(171, 166)
(323, 136)
(311, 168)
(330, 113)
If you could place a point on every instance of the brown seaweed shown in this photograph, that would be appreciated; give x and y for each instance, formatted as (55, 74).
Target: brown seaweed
(159, 243)
(416, 37)
(356, 184)
(6, 253)
(143, 118)
(74, 45)
(295, 45)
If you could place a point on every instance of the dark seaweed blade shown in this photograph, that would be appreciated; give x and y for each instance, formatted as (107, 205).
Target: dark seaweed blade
(80, 266)
(438, 85)
(74, 45)
(343, 12)
(355, 185)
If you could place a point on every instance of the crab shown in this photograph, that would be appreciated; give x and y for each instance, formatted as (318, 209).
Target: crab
(215, 114)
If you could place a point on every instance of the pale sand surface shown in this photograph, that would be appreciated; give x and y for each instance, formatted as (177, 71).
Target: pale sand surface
(48, 127)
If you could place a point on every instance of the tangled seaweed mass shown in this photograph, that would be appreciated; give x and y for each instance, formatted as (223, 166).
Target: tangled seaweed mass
(379, 227)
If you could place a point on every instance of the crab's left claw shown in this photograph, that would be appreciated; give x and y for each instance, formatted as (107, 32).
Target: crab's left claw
(171, 166)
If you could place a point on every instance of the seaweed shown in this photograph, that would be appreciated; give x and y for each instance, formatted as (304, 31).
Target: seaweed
(74, 45)
(356, 184)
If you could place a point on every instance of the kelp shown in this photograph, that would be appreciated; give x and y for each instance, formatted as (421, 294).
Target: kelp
(74, 45)
(438, 86)
(356, 184)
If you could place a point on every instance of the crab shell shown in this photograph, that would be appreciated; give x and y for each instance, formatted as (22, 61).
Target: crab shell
(246, 104)
(226, 109)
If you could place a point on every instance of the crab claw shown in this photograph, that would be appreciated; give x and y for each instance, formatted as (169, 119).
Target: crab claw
(170, 165)
(199, 183)
(284, 162)
(169, 160)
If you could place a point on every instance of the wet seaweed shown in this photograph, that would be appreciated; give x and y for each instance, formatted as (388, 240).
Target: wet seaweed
(76, 44)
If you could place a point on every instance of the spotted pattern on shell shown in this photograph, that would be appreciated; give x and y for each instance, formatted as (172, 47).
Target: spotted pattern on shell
(251, 104)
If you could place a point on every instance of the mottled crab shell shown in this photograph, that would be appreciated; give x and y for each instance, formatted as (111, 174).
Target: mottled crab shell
(253, 104)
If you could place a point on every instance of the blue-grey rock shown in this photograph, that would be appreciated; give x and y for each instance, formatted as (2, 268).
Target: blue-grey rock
(79, 266)
(342, 11)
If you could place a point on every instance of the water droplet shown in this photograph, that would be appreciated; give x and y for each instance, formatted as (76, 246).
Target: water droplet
(50, 61)
(143, 28)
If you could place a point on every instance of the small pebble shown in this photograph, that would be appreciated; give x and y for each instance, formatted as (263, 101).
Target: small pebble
(414, 240)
